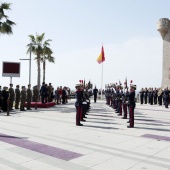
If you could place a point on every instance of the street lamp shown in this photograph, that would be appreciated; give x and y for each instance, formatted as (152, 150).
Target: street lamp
(31, 44)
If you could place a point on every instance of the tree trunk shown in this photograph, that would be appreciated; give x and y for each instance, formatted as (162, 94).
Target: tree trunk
(38, 71)
(44, 67)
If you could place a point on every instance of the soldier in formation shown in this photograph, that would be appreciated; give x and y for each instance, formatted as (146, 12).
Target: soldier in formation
(82, 103)
(17, 97)
(29, 97)
(11, 97)
(123, 101)
(23, 99)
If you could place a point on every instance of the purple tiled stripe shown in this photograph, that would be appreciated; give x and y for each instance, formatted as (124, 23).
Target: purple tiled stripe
(41, 148)
(158, 137)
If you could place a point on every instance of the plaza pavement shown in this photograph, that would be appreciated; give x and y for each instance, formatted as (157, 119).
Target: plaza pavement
(48, 139)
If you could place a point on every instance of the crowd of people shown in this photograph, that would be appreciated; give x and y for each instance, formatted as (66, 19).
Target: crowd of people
(122, 100)
(17, 98)
(154, 96)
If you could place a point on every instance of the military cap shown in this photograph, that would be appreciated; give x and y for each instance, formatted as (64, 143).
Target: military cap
(133, 86)
(17, 85)
(10, 84)
(78, 85)
(23, 87)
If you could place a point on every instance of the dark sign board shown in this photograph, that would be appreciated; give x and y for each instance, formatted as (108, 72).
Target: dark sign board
(10, 69)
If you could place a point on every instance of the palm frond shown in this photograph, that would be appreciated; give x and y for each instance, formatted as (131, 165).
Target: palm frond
(39, 38)
(5, 6)
(11, 23)
(5, 28)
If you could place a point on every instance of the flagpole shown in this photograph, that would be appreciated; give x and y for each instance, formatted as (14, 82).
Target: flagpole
(102, 81)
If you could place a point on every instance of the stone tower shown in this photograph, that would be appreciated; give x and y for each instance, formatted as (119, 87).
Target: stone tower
(163, 26)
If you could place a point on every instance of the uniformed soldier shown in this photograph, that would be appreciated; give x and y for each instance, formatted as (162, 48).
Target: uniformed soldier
(29, 97)
(141, 95)
(49, 92)
(78, 104)
(160, 94)
(131, 105)
(17, 97)
(155, 96)
(166, 97)
(35, 94)
(146, 95)
(11, 97)
(23, 98)
(125, 103)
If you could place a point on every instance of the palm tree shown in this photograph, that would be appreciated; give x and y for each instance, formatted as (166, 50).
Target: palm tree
(47, 52)
(38, 51)
(42, 52)
(5, 23)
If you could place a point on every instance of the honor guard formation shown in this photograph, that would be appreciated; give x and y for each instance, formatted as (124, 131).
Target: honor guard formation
(122, 100)
(154, 96)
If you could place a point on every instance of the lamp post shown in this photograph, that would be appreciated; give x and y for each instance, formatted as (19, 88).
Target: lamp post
(31, 44)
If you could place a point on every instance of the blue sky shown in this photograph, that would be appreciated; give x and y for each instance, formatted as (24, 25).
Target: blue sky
(78, 28)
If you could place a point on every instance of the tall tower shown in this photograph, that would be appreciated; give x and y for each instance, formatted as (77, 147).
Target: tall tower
(163, 26)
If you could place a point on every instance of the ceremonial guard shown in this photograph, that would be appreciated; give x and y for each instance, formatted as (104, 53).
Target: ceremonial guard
(78, 104)
(17, 97)
(5, 97)
(151, 96)
(166, 97)
(160, 94)
(131, 105)
(29, 97)
(146, 95)
(120, 101)
(125, 100)
(11, 97)
(23, 98)
(95, 91)
(35, 94)
(155, 96)
(141, 96)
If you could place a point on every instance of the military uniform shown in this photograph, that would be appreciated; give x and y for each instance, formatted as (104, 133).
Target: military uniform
(146, 95)
(29, 97)
(78, 105)
(23, 98)
(11, 97)
(131, 105)
(141, 96)
(49, 92)
(166, 97)
(35, 94)
(17, 97)
(125, 104)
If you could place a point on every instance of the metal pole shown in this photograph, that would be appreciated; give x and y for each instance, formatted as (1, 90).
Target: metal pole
(30, 64)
